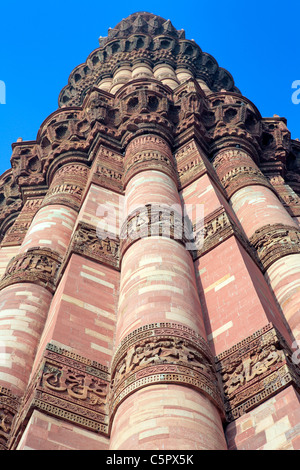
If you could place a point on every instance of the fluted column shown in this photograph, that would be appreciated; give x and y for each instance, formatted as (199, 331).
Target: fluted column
(268, 226)
(29, 281)
(164, 389)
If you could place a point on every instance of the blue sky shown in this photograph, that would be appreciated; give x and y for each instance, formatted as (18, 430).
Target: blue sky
(41, 43)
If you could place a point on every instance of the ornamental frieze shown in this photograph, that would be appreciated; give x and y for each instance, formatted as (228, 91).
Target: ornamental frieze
(67, 386)
(163, 353)
(288, 197)
(255, 369)
(272, 242)
(243, 176)
(16, 233)
(67, 185)
(148, 151)
(107, 168)
(37, 265)
(87, 241)
(148, 142)
(154, 220)
(217, 228)
(190, 163)
(148, 160)
(9, 406)
(231, 158)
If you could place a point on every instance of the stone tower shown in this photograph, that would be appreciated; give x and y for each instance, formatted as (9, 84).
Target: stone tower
(150, 260)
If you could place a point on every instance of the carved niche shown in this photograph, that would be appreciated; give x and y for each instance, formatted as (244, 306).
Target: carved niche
(27, 167)
(190, 112)
(275, 140)
(10, 201)
(144, 106)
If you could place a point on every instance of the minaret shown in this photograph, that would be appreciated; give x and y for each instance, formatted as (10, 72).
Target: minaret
(150, 260)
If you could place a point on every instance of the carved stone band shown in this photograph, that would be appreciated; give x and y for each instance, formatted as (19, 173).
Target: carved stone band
(255, 369)
(149, 160)
(67, 386)
(218, 227)
(163, 353)
(37, 265)
(153, 220)
(243, 176)
(9, 405)
(148, 152)
(67, 186)
(189, 162)
(236, 169)
(272, 242)
(91, 243)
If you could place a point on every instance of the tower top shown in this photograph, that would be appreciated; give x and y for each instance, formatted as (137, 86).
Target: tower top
(144, 23)
(148, 38)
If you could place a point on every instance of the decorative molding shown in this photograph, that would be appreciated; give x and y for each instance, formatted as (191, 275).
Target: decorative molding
(37, 266)
(218, 227)
(148, 160)
(87, 242)
(67, 386)
(153, 220)
(9, 406)
(163, 353)
(16, 233)
(288, 197)
(236, 169)
(254, 370)
(107, 169)
(67, 186)
(190, 163)
(272, 242)
(243, 176)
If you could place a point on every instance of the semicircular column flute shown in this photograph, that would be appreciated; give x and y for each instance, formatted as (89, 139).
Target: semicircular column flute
(270, 229)
(163, 378)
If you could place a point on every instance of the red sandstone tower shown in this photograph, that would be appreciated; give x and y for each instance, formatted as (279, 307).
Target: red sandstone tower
(150, 260)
